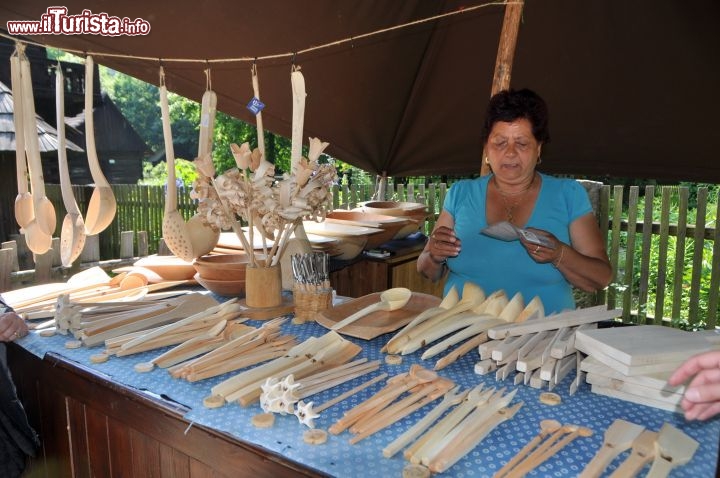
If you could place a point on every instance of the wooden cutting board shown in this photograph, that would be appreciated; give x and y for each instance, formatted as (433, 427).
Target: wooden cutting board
(639, 399)
(622, 386)
(655, 381)
(376, 323)
(642, 344)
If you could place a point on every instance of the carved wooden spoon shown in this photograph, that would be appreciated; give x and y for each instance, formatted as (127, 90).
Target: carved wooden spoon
(24, 213)
(101, 209)
(391, 299)
(72, 234)
(186, 241)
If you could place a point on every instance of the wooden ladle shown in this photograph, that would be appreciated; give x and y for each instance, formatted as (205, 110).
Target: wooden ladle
(72, 234)
(391, 299)
(102, 207)
(24, 213)
(40, 230)
(186, 241)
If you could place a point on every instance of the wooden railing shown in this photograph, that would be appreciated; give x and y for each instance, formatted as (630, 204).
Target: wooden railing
(665, 249)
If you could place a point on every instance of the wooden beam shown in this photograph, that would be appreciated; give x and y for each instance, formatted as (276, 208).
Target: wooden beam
(505, 55)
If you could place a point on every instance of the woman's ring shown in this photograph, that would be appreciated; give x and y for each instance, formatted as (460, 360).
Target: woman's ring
(537, 249)
(16, 335)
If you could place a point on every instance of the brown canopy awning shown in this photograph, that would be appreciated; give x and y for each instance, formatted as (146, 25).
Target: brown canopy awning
(632, 85)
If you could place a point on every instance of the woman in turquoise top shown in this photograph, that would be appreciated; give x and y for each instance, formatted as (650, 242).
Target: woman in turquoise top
(514, 133)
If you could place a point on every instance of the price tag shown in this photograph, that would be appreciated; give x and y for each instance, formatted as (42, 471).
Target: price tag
(255, 106)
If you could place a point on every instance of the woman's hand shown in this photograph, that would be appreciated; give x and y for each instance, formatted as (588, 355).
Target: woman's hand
(443, 244)
(553, 252)
(12, 327)
(701, 400)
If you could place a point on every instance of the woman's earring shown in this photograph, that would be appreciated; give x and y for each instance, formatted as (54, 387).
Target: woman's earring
(487, 161)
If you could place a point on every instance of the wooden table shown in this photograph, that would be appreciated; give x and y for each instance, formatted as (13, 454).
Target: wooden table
(91, 426)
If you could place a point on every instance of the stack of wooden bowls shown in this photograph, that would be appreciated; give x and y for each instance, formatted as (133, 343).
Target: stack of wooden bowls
(352, 238)
(390, 225)
(414, 212)
(222, 274)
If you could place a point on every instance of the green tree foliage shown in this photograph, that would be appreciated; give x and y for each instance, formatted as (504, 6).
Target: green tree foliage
(139, 103)
(157, 175)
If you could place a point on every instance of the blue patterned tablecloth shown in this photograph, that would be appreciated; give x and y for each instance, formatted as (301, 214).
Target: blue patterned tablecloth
(337, 457)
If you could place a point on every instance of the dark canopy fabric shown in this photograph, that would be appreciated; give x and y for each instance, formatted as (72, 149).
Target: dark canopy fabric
(632, 85)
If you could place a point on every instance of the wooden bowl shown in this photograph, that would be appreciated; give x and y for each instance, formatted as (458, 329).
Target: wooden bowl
(168, 267)
(225, 288)
(350, 247)
(222, 266)
(390, 225)
(416, 213)
(352, 239)
(394, 208)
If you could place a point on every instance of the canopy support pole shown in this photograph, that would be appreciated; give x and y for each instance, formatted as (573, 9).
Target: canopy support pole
(381, 186)
(505, 55)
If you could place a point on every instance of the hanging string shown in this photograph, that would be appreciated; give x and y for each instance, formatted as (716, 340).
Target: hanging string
(208, 80)
(351, 40)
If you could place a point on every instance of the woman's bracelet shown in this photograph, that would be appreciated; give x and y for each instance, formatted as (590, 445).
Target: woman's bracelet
(556, 264)
(440, 262)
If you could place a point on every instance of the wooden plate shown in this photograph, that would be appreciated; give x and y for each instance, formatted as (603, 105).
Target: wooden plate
(376, 323)
(225, 288)
(170, 268)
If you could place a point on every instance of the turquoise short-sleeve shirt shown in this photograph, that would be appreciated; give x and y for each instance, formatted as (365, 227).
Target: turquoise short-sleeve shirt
(495, 264)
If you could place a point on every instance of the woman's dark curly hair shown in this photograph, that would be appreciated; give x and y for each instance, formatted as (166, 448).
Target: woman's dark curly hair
(509, 105)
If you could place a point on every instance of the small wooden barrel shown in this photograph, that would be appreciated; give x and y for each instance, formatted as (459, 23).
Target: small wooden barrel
(263, 286)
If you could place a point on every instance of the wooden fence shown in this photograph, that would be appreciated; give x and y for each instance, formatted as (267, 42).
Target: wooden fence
(664, 245)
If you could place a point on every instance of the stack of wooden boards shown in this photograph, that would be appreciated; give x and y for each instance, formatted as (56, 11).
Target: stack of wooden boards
(634, 363)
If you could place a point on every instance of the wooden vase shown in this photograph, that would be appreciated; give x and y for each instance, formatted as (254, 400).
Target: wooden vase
(263, 285)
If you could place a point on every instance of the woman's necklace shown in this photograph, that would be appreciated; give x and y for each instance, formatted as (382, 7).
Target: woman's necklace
(511, 200)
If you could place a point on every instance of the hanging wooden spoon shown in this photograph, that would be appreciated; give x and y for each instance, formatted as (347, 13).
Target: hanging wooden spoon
(258, 116)
(297, 80)
(391, 299)
(43, 225)
(102, 207)
(24, 213)
(186, 241)
(72, 234)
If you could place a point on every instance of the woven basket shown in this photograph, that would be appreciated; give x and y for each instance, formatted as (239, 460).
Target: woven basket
(309, 301)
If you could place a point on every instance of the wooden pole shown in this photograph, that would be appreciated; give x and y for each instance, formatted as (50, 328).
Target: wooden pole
(505, 55)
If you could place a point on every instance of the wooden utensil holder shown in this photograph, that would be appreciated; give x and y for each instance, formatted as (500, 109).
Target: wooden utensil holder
(263, 286)
(309, 300)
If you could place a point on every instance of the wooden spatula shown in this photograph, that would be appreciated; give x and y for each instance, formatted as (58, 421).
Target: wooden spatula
(618, 437)
(673, 448)
(643, 452)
